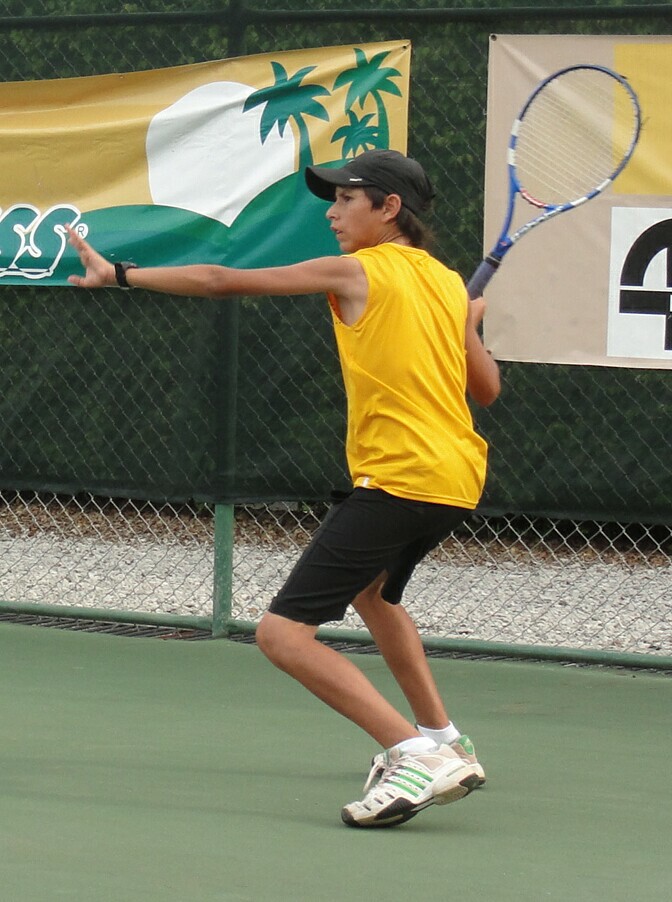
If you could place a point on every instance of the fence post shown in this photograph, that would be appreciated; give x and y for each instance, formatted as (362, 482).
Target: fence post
(223, 570)
(227, 324)
(237, 27)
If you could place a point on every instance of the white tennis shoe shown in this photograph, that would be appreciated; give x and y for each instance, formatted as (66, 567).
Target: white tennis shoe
(463, 746)
(408, 784)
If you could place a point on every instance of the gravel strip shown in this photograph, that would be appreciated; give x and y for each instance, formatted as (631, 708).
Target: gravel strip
(472, 593)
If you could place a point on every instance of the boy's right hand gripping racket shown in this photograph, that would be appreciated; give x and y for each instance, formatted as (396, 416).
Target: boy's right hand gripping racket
(574, 135)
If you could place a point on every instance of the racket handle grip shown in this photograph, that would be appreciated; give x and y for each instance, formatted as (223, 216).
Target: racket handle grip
(484, 272)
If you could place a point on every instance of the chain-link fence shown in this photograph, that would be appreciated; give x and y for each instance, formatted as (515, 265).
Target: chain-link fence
(572, 545)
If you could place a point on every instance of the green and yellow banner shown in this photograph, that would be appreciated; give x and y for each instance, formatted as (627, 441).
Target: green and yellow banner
(199, 163)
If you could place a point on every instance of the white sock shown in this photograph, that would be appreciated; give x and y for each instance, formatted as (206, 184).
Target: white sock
(416, 746)
(446, 735)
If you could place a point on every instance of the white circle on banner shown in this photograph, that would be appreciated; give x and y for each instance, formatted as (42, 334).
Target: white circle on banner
(205, 154)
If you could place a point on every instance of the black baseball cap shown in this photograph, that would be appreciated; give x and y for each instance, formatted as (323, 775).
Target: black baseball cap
(388, 170)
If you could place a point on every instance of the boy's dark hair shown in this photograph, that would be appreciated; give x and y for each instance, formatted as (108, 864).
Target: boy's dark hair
(409, 225)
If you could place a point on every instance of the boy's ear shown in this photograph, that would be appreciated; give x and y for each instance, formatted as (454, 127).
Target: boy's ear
(392, 205)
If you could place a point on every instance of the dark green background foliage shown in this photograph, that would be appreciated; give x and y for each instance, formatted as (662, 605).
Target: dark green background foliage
(141, 396)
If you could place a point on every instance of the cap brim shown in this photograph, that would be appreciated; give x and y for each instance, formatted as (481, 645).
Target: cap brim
(323, 181)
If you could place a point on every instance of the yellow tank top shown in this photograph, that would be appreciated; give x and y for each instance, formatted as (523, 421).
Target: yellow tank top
(410, 430)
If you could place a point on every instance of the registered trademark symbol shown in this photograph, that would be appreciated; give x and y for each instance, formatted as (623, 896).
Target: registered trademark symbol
(82, 229)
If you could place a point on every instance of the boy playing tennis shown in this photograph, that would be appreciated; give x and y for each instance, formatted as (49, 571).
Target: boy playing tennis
(409, 350)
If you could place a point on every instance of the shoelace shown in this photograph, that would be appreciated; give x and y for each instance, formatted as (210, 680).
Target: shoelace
(377, 770)
(396, 774)
(379, 764)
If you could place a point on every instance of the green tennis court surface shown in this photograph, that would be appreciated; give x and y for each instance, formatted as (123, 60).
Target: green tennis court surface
(140, 769)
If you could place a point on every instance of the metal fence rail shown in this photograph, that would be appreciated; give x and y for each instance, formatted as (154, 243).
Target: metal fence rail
(573, 546)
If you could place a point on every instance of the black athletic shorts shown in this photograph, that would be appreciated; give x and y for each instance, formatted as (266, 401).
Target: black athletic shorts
(366, 533)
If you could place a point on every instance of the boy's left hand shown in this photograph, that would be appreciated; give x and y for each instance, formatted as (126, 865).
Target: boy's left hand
(99, 271)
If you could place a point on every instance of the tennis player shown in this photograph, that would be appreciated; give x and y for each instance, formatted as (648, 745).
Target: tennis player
(410, 351)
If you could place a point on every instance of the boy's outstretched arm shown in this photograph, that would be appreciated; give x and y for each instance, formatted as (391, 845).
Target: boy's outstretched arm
(340, 275)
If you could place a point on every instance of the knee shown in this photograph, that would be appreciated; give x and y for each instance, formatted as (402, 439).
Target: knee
(267, 637)
(278, 638)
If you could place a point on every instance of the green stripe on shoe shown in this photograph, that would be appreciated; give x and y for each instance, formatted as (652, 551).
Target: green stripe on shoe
(409, 789)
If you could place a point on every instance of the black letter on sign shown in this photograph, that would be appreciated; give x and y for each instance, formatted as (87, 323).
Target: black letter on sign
(646, 247)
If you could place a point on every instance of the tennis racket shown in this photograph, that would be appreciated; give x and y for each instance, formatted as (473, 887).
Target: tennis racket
(574, 135)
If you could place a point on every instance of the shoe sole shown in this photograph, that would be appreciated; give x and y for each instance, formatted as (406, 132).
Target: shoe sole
(454, 793)
(478, 770)
(401, 810)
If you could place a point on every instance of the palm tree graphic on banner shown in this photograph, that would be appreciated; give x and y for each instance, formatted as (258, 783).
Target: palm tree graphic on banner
(286, 99)
(289, 99)
(358, 134)
(368, 78)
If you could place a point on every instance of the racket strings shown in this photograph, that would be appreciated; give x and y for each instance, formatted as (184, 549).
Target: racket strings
(573, 136)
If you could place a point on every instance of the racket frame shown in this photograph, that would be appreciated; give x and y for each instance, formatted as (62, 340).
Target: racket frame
(505, 241)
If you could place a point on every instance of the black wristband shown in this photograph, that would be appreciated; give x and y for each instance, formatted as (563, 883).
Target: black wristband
(120, 270)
